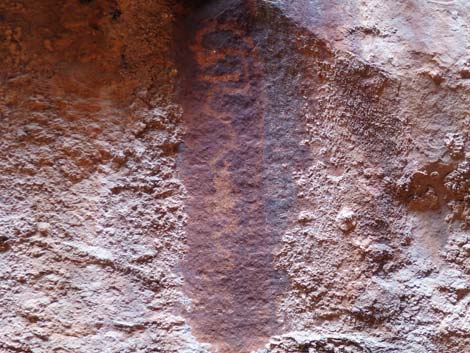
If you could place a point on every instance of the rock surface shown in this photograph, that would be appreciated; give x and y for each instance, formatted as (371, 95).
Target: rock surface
(234, 176)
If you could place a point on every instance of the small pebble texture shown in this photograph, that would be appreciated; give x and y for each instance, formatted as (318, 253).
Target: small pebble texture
(234, 176)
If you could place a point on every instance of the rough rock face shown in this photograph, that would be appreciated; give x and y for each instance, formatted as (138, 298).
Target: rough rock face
(91, 205)
(234, 176)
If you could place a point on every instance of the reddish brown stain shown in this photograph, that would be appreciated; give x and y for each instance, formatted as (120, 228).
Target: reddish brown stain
(228, 270)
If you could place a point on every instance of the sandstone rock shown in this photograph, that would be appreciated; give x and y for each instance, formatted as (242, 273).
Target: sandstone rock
(44, 228)
(182, 176)
(346, 220)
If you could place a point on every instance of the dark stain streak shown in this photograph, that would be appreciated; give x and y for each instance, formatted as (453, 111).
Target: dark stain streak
(229, 270)
(237, 165)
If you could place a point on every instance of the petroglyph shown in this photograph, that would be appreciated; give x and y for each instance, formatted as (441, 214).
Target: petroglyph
(228, 270)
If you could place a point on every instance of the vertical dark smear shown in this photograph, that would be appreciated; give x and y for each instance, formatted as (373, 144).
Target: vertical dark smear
(236, 163)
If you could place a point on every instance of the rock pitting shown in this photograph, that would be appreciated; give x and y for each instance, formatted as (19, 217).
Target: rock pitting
(234, 176)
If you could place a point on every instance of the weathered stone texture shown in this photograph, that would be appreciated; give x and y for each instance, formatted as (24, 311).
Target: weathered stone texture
(234, 176)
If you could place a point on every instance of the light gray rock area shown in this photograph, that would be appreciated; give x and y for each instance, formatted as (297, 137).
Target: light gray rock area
(235, 176)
